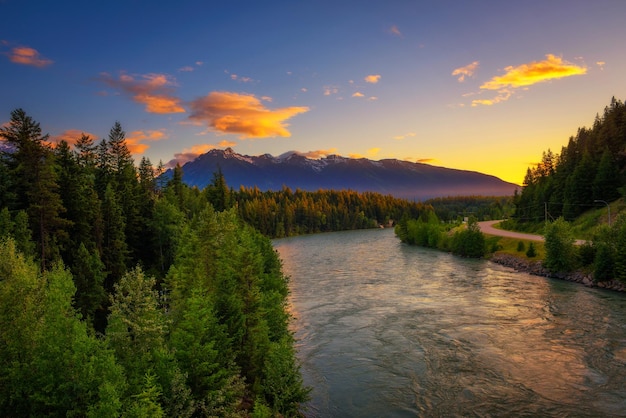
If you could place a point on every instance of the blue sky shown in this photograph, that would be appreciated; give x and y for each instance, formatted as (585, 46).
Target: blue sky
(478, 85)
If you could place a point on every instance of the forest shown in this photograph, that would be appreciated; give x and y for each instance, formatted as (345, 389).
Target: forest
(123, 294)
(123, 297)
(589, 171)
(590, 167)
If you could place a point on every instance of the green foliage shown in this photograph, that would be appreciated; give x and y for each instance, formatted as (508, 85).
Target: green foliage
(286, 213)
(591, 167)
(485, 208)
(426, 231)
(469, 242)
(560, 250)
(51, 365)
(520, 246)
(531, 252)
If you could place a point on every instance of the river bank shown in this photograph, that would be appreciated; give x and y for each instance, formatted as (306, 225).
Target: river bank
(536, 268)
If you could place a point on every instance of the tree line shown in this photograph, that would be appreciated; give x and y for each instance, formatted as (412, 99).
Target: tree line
(124, 296)
(590, 167)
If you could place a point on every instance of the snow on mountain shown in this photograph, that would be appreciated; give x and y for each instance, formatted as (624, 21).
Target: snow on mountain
(296, 171)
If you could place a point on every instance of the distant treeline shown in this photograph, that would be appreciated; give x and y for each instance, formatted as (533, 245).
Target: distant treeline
(484, 208)
(120, 296)
(591, 167)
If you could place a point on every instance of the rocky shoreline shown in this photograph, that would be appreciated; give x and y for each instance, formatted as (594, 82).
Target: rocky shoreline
(536, 268)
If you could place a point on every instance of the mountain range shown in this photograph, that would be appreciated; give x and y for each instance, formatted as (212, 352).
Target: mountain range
(403, 179)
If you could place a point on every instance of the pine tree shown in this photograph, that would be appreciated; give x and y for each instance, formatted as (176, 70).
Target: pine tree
(35, 184)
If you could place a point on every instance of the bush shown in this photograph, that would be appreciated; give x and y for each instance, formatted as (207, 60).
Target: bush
(560, 250)
(520, 246)
(531, 252)
(469, 242)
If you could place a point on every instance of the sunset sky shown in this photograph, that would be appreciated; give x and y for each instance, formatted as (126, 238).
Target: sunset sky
(477, 85)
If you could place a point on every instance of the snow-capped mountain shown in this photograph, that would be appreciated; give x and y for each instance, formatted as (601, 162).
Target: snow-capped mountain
(294, 170)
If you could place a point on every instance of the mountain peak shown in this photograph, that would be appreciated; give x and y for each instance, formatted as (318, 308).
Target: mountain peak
(296, 171)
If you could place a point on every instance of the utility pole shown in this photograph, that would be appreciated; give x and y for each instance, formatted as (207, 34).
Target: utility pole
(608, 206)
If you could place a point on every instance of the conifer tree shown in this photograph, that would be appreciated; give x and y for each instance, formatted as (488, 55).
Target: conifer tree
(35, 184)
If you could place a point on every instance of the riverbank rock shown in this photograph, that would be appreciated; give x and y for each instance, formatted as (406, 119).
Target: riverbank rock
(536, 268)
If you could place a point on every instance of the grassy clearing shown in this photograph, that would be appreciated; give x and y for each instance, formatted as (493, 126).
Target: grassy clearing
(512, 246)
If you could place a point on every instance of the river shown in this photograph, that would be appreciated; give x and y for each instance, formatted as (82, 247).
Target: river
(389, 330)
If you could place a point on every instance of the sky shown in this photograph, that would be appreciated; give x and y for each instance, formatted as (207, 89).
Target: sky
(476, 85)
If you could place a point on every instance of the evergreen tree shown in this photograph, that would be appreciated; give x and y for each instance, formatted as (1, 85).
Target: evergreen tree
(218, 193)
(114, 248)
(607, 180)
(32, 168)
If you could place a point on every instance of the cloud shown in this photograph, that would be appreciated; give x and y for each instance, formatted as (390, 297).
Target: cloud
(317, 154)
(426, 160)
(235, 77)
(355, 156)
(243, 114)
(395, 31)
(190, 154)
(372, 78)
(330, 90)
(502, 96)
(189, 68)
(358, 94)
(407, 135)
(152, 90)
(135, 139)
(552, 67)
(28, 56)
(601, 64)
(70, 136)
(466, 71)
(373, 151)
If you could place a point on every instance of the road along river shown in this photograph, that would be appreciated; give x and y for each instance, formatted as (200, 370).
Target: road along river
(389, 330)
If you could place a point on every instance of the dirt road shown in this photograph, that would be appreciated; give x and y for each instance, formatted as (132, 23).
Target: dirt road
(486, 227)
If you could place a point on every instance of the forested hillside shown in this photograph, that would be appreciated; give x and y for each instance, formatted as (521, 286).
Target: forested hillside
(590, 167)
(122, 297)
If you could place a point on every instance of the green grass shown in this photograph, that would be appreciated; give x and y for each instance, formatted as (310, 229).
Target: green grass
(510, 245)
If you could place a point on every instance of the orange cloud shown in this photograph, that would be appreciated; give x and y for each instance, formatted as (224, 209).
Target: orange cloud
(503, 95)
(190, 154)
(358, 94)
(243, 114)
(552, 67)
(426, 160)
(372, 78)
(601, 64)
(70, 136)
(317, 154)
(152, 90)
(466, 71)
(373, 151)
(28, 56)
(134, 144)
(356, 156)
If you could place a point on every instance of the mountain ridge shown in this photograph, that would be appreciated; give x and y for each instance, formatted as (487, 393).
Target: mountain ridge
(292, 169)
